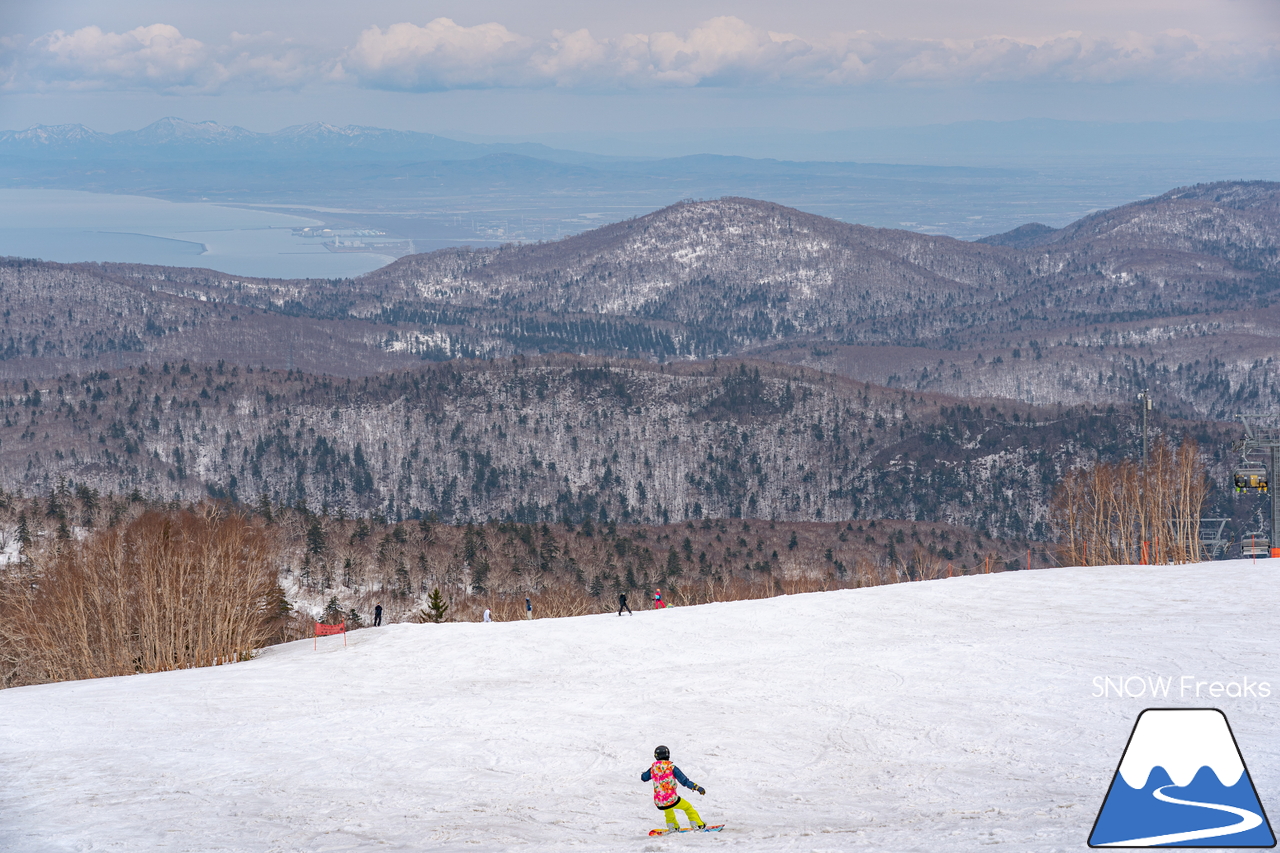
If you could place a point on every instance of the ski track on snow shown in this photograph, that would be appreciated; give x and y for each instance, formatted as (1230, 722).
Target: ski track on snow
(954, 714)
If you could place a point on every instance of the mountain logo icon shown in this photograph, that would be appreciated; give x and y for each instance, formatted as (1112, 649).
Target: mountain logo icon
(1182, 783)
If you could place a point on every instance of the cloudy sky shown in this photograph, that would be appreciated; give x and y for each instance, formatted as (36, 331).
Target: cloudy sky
(501, 67)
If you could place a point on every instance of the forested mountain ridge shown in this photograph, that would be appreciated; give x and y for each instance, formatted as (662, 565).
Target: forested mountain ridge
(60, 318)
(675, 264)
(754, 272)
(1231, 220)
(813, 276)
(1177, 294)
(557, 438)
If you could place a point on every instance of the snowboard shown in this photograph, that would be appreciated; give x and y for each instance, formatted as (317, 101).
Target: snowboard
(708, 828)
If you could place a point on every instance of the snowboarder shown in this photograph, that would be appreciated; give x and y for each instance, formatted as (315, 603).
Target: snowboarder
(664, 775)
(658, 603)
(377, 615)
(487, 617)
(622, 602)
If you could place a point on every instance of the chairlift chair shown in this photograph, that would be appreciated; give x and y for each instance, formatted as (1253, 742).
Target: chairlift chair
(1251, 475)
(1255, 545)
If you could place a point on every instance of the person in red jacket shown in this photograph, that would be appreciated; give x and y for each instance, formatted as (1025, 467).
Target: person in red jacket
(658, 603)
(664, 776)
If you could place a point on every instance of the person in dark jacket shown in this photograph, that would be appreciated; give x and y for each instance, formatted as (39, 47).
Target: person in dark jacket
(377, 615)
(622, 603)
(664, 776)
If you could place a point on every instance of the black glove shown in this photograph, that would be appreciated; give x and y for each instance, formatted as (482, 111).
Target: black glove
(700, 789)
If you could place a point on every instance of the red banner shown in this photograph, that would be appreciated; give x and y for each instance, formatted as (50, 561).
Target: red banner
(323, 630)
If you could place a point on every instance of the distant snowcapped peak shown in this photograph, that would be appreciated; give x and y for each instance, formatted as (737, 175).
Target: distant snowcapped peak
(58, 134)
(310, 129)
(173, 129)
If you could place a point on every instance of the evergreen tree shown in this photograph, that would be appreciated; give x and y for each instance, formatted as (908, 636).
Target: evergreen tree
(479, 573)
(24, 531)
(333, 611)
(470, 544)
(264, 508)
(315, 537)
(436, 606)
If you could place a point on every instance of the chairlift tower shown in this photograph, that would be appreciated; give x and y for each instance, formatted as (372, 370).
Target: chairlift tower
(1262, 435)
(1144, 402)
(1212, 543)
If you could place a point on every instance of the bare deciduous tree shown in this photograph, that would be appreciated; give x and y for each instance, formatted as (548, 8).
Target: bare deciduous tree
(1112, 513)
(166, 591)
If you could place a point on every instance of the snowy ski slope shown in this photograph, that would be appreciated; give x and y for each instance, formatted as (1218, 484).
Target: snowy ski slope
(949, 715)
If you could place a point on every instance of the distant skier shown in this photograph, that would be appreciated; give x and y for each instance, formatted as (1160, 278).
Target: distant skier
(622, 603)
(664, 776)
(377, 615)
(658, 603)
(487, 617)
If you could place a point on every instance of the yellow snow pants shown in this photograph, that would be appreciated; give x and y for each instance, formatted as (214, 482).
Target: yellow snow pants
(689, 812)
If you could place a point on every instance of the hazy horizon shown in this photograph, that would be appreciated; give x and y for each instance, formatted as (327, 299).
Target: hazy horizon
(1097, 103)
(508, 69)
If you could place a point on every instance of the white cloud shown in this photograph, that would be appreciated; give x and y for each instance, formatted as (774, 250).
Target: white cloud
(724, 51)
(728, 51)
(441, 55)
(156, 57)
(1070, 57)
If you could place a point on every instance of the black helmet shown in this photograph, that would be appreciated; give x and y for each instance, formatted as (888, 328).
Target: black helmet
(662, 753)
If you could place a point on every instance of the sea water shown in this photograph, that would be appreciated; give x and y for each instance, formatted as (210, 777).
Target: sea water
(70, 226)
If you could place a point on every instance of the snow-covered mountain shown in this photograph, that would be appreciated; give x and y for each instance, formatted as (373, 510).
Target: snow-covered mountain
(53, 138)
(949, 715)
(1179, 294)
(1233, 220)
(176, 131)
(750, 267)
